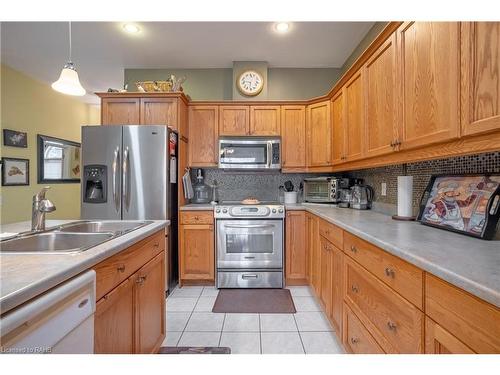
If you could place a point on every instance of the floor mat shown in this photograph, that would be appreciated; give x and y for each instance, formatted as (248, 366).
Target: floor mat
(264, 301)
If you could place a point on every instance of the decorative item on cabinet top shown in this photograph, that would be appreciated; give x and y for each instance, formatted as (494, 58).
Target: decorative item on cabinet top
(172, 84)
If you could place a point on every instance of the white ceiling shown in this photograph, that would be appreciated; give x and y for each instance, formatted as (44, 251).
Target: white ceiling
(101, 50)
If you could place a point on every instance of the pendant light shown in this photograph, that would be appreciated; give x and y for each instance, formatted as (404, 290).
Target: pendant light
(68, 82)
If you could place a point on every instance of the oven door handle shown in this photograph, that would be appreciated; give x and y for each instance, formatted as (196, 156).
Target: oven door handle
(248, 226)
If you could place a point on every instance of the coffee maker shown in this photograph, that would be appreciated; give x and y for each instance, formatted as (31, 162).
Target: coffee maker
(344, 191)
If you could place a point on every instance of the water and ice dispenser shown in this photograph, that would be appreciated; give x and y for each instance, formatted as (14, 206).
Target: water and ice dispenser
(95, 184)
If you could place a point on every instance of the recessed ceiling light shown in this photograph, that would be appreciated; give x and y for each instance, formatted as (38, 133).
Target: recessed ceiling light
(131, 28)
(282, 27)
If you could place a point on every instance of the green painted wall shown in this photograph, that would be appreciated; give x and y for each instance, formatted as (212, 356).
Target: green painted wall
(33, 107)
(217, 84)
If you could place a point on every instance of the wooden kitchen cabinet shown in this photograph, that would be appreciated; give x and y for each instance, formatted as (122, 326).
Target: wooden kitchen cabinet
(149, 289)
(203, 131)
(293, 138)
(159, 111)
(314, 252)
(234, 120)
(440, 341)
(120, 111)
(319, 134)
(429, 69)
(380, 126)
(296, 257)
(354, 102)
(337, 290)
(480, 48)
(325, 296)
(197, 251)
(355, 336)
(265, 120)
(338, 127)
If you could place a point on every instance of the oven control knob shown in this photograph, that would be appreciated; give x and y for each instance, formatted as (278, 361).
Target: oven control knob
(274, 210)
(224, 211)
(217, 210)
(280, 210)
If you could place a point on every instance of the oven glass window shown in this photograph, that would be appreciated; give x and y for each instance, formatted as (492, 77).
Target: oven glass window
(249, 243)
(317, 190)
(244, 154)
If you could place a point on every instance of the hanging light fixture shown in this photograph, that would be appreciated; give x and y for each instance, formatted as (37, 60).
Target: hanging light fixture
(68, 82)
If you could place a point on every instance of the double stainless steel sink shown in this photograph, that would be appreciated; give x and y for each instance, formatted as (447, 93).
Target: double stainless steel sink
(69, 238)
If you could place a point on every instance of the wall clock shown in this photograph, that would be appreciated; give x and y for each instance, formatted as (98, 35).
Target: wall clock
(250, 83)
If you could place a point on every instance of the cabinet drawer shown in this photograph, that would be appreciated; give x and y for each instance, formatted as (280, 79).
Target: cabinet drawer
(356, 338)
(331, 232)
(403, 277)
(114, 270)
(197, 217)
(473, 321)
(394, 322)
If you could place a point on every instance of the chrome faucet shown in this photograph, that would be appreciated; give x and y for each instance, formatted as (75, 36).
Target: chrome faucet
(40, 207)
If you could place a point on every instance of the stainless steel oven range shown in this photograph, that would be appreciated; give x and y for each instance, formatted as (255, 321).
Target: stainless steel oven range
(249, 243)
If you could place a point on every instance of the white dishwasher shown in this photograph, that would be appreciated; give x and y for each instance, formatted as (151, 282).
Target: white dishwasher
(59, 321)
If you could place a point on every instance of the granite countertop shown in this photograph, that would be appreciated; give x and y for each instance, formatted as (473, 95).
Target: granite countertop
(466, 262)
(24, 276)
(197, 207)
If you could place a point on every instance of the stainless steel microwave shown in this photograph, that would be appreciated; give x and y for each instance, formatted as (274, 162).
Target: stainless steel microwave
(249, 153)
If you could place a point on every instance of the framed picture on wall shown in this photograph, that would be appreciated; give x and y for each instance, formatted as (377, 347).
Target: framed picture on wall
(15, 172)
(14, 138)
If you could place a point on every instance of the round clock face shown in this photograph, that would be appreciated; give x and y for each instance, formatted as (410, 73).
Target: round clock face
(250, 83)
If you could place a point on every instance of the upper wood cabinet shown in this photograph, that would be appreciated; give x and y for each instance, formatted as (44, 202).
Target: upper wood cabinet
(159, 111)
(429, 68)
(234, 120)
(354, 103)
(265, 120)
(296, 262)
(319, 134)
(120, 111)
(293, 137)
(480, 77)
(149, 295)
(203, 130)
(380, 129)
(338, 128)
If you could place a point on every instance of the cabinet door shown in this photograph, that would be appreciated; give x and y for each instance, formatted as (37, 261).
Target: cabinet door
(120, 111)
(293, 136)
(296, 249)
(149, 294)
(480, 77)
(354, 117)
(380, 127)
(234, 120)
(337, 288)
(319, 134)
(203, 133)
(338, 128)
(114, 321)
(429, 70)
(314, 254)
(326, 275)
(159, 111)
(440, 341)
(197, 252)
(265, 120)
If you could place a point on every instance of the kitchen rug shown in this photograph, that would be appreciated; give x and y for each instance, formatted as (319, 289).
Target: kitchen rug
(264, 301)
(193, 350)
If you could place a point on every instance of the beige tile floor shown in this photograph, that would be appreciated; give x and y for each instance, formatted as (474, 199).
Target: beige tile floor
(190, 322)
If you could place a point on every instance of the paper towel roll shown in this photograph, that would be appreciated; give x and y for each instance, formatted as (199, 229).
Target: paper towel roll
(405, 196)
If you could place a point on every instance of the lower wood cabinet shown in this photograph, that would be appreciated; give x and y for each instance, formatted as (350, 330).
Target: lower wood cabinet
(440, 341)
(314, 252)
(131, 317)
(296, 261)
(326, 249)
(196, 248)
(355, 336)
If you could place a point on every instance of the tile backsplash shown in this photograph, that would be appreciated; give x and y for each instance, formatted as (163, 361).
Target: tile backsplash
(239, 185)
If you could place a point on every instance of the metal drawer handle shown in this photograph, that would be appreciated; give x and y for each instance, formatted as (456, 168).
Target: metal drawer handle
(389, 272)
(249, 257)
(250, 276)
(354, 340)
(83, 303)
(354, 249)
(121, 268)
(391, 325)
(355, 289)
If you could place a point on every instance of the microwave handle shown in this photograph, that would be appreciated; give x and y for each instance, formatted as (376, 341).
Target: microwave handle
(269, 154)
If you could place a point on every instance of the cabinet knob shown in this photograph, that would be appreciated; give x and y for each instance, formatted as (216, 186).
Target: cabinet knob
(354, 249)
(354, 340)
(389, 272)
(140, 280)
(121, 268)
(391, 325)
(156, 245)
(354, 288)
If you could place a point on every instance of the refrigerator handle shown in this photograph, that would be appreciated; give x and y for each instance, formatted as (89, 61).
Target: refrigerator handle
(116, 198)
(125, 171)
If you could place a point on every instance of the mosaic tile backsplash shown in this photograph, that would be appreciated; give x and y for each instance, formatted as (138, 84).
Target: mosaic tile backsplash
(235, 186)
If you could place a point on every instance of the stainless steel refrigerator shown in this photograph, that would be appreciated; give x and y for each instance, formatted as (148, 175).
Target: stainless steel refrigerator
(130, 173)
